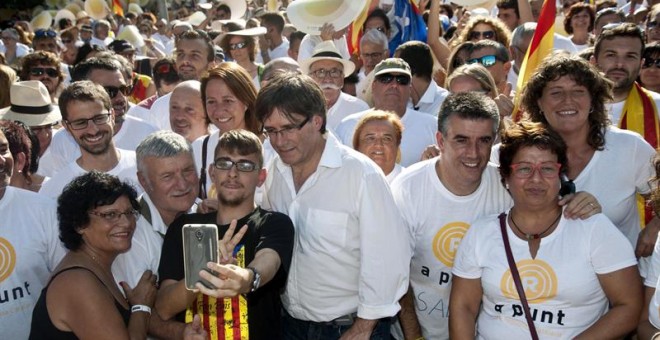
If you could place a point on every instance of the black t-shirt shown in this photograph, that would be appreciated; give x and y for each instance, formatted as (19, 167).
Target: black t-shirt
(266, 229)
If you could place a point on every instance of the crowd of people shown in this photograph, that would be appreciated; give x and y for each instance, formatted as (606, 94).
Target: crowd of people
(362, 187)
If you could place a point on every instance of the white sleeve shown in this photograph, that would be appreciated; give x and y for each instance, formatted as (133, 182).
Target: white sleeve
(651, 279)
(610, 249)
(466, 262)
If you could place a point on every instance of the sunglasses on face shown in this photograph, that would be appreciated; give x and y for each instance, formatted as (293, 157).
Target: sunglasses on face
(485, 35)
(388, 78)
(42, 33)
(113, 90)
(66, 41)
(39, 71)
(237, 46)
(486, 61)
(648, 62)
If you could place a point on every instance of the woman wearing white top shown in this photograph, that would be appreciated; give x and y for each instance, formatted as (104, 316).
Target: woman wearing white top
(579, 23)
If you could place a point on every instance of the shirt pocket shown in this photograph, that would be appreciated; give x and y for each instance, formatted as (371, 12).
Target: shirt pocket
(327, 229)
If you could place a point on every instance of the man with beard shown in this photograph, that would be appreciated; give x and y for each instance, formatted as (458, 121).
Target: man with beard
(128, 130)
(391, 92)
(255, 258)
(89, 117)
(45, 67)
(194, 56)
(328, 69)
(187, 116)
(618, 54)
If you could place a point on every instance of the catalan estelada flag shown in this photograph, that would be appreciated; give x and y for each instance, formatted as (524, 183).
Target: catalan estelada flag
(539, 48)
(408, 24)
(117, 7)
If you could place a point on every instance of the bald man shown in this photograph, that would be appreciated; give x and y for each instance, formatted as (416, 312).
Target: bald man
(187, 116)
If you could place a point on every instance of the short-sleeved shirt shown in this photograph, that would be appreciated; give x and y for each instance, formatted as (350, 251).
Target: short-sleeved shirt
(266, 229)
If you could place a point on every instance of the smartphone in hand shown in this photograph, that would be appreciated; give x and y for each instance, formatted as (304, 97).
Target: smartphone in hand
(200, 246)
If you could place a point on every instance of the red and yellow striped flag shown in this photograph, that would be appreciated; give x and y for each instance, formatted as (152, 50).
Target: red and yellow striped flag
(117, 7)
(354, 32)
(539, 48)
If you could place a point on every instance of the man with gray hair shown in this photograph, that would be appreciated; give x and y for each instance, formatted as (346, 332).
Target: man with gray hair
(278, 66)
(373, 49)
(101, 36)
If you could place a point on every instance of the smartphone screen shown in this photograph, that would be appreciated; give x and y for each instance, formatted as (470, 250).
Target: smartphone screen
(200, 246)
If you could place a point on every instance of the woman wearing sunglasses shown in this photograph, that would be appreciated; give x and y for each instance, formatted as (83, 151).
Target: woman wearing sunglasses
(530, 272)
(649, 74)
(480, 28)
(242, 48)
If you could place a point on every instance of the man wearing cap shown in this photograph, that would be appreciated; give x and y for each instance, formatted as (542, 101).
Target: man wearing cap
(31, 104)
(128, 130)
(88, 117)
(351, 251)
(391, 92)
(328, 70)
(194, 56)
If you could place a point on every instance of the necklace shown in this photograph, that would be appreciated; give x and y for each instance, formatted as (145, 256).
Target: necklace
(530, 237)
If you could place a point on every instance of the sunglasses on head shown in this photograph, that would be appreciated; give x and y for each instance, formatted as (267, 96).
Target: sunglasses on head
(113, 90)
(648, 62)
(237, 46)
(485, 35)
(42, 33)
(388, 78)
(486, 61)
(50, 71)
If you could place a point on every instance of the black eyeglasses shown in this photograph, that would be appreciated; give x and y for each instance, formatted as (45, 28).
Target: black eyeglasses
(648, 62)
(42, 33)
(39, 71)
(80, 124)
(287, 130)
(241, 165)
(115, 216)
(66, 41)
(388, 78)
(113, 90)
(237, 46)
(485, 35)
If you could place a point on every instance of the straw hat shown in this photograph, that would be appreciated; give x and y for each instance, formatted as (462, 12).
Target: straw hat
(64, 14)
(97, 9)
(326, 50)
(131, 34)
(310, 15)
(135, 8)
(30, 104)
(42, 21)
(73, 8)
(196, 18)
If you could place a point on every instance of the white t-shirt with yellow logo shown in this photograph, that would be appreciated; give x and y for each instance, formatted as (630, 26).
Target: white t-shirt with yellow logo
(561, 283)
(438, 219)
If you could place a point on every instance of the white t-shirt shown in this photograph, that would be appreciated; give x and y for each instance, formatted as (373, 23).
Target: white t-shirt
(615, 110)
(418, 132)
(651, 280)
(438, 219)
(125, 169)
(431, 100)
(398, 169)
(561, 283)
(30, 251)
(159, 114)
(278, 52)
(63, 148)
(346, 105)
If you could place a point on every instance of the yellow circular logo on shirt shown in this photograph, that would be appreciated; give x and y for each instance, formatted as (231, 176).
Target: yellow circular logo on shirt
(7, 259)
(538, 280)
(446, 241)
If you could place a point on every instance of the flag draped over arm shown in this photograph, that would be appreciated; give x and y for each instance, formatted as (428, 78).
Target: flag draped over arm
(539, 48)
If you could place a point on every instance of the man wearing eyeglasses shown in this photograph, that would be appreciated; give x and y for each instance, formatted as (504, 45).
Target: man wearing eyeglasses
(128, 130)
(255, 252)
(88, 117)
(350, 263)
(328, 69)
(618, 54)
(373, 49)
(391, 92)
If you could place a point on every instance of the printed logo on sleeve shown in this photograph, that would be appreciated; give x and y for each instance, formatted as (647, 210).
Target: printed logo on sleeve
(446, 241)
(538, 280)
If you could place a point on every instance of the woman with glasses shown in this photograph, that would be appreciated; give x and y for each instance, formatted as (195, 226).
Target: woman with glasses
(97, 214)
(378, 136)
(481, 28)
(228, 96)
(243, 50)
(567, 95)
(579, 23)
(649, 74)
(576, 278)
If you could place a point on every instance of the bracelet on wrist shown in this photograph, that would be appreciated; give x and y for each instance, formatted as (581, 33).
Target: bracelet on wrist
(141, 308)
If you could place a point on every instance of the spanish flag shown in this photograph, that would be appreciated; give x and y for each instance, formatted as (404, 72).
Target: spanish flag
(117, 7)
(540, 47)
(354, 32)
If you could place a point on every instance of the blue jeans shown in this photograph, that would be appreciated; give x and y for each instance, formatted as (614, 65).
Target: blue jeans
(294, 329)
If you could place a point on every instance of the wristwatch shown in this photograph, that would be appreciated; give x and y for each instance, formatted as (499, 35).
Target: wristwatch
(256, 281)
